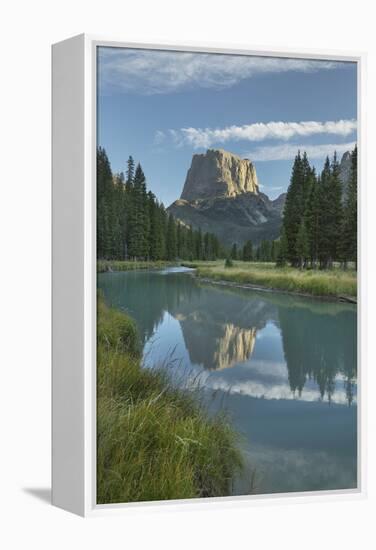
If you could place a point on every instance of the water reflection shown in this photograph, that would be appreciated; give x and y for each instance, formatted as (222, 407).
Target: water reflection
(303, 348)
(283, 367)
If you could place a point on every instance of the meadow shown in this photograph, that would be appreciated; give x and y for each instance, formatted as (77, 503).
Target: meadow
(336, 282)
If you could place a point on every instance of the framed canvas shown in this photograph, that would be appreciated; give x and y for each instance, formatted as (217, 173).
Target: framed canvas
(208, 291)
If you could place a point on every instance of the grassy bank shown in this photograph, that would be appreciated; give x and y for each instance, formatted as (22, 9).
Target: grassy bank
(154, 441)
(117, 265)
(334, 283)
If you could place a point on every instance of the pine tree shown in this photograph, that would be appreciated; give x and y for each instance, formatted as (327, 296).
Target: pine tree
(234, 252)
(191, 244)
(198, 245)
(302, 246)
(133, 224)
(130, 171)
(336, 211)
(156, 240)
(324, 244)
(274, 251)
(248, 252)
(139, 227)
(171, 250)
(104, 206)
(207, 254)
(349, 229)
(294, 206)
(312, 217)
(282, 250)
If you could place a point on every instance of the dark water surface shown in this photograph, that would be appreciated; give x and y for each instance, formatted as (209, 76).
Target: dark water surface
(284, 368)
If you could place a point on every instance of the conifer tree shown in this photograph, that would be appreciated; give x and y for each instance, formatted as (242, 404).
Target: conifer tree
(234, 252)
(282, 250)
(156, 240)
(324, 244)
(171, 250)
(207, 253)
(302, 247)
(191, 244)
(104, 207)
(349, 230)
(274, 251)
(248, 251)
(312, 217)
(294, 206)
(130, 171)
(335, 211)
(133, 224)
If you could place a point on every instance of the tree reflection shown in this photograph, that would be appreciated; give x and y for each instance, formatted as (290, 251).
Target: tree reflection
(319, 347)
(219, 325)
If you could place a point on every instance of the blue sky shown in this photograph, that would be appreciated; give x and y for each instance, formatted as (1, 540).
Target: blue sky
(162, 107)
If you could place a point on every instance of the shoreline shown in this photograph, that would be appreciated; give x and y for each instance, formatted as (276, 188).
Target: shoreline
(110, 266)
(250, 286)
(178, 450)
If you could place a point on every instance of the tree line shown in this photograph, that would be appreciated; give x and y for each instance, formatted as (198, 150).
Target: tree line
(266, 251)
(319, 220)
(133, 224)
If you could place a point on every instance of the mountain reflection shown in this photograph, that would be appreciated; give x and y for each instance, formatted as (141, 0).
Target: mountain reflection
(220, 326)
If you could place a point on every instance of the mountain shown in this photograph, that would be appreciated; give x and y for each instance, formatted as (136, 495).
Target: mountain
(218, 173)
(221, 195)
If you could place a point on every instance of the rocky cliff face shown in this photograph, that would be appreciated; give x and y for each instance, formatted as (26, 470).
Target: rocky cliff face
(221, 195)
(218, 173)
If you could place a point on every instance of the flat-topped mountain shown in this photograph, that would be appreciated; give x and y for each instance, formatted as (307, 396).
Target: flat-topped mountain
(218, 173)
(221, 195)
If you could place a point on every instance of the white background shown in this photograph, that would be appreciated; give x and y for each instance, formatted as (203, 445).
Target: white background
(27, 30)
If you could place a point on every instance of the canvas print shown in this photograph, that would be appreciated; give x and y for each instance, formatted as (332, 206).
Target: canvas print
(226, 275)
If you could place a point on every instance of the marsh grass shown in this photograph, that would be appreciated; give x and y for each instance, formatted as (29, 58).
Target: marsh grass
(335, 282)
(155, 441)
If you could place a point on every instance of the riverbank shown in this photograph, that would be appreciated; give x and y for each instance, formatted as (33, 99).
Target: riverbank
(154, 441)
(130, 265)
(335, 284)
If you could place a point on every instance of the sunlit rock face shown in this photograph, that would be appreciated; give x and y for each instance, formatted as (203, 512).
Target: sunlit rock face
(221, 195)
(235, 346)
(218, 173)
(228, 346)
(219, 329)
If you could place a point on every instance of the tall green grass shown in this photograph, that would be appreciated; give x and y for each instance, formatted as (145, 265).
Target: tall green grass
(317, 283)
(154, 441)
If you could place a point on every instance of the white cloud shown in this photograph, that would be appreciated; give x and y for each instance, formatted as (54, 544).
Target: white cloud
(288, 151)
(279, 389)
(159, 72)
(259, 131)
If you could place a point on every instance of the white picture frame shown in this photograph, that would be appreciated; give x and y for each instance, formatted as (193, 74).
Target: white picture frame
(74, 277)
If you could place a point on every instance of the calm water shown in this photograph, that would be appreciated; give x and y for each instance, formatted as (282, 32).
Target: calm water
(283, 367)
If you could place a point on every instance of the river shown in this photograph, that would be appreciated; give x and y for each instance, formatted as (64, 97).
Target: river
(283, 367)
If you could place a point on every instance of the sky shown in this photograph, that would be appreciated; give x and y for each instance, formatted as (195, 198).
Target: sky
(162, 107)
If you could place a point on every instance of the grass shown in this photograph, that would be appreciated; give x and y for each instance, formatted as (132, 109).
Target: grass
(130, 265)
(154, 441)
(334, 283)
